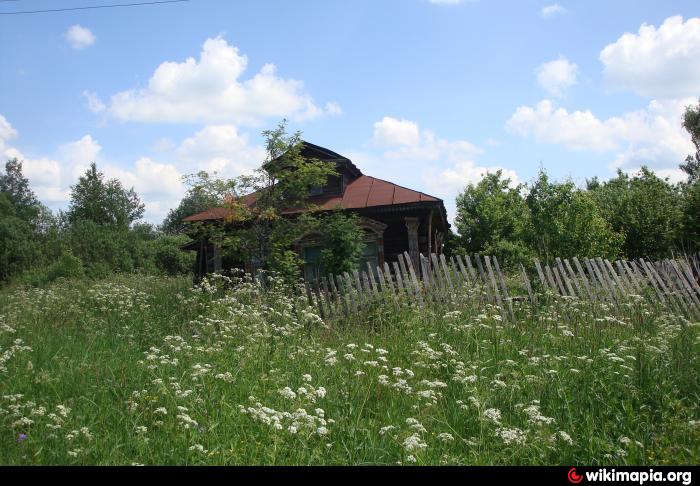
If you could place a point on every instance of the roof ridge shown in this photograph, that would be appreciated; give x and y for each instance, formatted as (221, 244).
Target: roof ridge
(404, 187)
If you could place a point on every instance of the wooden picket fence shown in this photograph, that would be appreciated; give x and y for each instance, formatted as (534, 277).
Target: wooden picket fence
(671, 284)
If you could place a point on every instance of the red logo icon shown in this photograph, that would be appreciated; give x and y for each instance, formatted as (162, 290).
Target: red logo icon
(574, 477)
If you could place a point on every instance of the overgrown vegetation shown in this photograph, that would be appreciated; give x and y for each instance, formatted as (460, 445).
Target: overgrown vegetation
(629, 216)
(151, 371)
(119, 364)
(98, 235)
(269, 211)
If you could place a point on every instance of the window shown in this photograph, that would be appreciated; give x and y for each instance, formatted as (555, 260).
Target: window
(316, 191)
(370, 255)
(312, 263)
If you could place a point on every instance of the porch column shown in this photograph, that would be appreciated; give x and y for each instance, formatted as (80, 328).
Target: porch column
(412, 226)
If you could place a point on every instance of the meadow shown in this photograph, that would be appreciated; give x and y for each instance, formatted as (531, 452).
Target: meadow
(150, 370)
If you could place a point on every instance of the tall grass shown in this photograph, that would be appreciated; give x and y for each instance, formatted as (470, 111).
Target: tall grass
(143, 370)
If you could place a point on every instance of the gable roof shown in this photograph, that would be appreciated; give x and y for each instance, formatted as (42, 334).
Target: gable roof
(312, 151)
(360, 193)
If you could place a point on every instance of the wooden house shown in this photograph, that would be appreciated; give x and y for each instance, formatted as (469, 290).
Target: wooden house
(395, 219)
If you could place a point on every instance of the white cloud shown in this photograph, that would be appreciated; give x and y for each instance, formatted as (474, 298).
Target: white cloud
(445, 167)
(93, 102)
(221, 149)
(405, 140)
(552, 11)
(651, 136)
(663, 62)
(210, 90)
(159, 185)
(654, 136)
(391, 131)
(556, 76)
(81, 152)
(446, 2)
(43, 173)
(79, 37)
(674, 175)
(454, 179)
(579, 130)
(6, 130)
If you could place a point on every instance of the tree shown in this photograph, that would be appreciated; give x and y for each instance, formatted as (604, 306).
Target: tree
(19, 248)
(690, 238)
(691, 122)
(16, 187)
(105, 203)
(204, 192)
(644, 208)
(566, 222)
(690, 219)
(343, 241)
(262, 206)
(492, 218)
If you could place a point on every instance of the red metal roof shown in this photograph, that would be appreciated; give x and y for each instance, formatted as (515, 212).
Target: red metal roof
(363, 192)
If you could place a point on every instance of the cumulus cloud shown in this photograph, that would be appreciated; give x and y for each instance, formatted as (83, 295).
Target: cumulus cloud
(158, 184)
(656, 62)
(444, 166)
(651, 136)
(214, 148)
(452, 180)
(50, 177)
(43, 173)
(391, 131)
(578, 130)
(6, 130)
(556, 76)
(79, 37)
(552, 11)
(211, 90)
(404, 139)
(654, 136)
(221, 149)
(81, 152)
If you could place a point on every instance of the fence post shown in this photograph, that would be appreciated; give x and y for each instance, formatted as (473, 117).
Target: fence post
(527, 285)
(584, 279)
(358, 286)
(562, 272)
(327, 296)
(414, 279)
(540, 274)
(572, 276)
(487, 259)
(503, 286)
(340, 290)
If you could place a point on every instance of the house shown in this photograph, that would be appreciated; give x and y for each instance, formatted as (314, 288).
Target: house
(395, 219)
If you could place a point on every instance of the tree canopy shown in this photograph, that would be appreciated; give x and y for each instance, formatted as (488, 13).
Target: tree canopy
(105, 203)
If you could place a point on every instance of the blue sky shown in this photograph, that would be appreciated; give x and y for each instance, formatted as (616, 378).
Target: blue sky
(428, 94)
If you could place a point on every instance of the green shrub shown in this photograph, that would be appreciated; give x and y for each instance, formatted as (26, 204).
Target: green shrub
(66, 266)
(169, 258)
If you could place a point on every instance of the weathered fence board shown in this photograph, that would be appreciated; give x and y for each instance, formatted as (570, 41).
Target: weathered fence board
(670, 283)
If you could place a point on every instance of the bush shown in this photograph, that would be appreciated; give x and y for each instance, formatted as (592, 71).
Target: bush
(169, 258)
(66, 266)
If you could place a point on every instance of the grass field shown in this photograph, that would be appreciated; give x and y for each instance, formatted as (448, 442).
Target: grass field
(146, 370)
